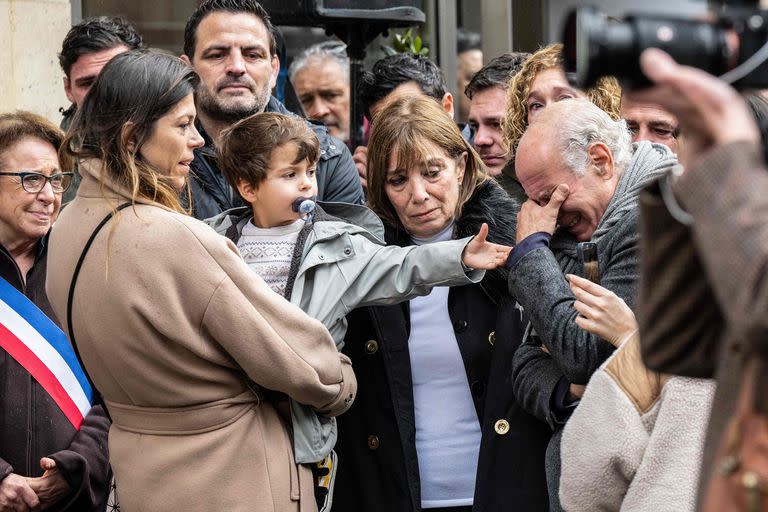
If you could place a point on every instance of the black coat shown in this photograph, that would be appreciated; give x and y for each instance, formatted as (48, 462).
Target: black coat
(337, 178)
(378, 465)
(33, 426)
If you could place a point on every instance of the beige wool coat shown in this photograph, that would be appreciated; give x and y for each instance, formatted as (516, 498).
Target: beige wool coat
(182, 340)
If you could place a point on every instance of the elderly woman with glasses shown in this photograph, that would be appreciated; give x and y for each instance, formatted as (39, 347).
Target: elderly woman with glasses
(45, 461)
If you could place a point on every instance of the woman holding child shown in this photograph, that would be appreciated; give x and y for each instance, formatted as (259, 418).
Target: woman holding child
(332, 260)
(194, 354)
(435, 425)
(177, 333)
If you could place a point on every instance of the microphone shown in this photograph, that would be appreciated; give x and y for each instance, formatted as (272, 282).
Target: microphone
(303, 205)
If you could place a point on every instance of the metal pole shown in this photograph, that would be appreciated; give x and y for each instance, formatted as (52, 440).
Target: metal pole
(356, 51)
(496, 23)
(446, 45)
(77, 11)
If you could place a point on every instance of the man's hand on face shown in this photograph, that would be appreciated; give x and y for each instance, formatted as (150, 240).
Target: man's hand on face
(534, 218)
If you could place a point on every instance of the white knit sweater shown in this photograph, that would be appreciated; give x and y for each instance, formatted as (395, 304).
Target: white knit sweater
(625, 449)
(269, 251)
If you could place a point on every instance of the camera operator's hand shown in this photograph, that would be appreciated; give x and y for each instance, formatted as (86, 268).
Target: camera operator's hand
(711, 112)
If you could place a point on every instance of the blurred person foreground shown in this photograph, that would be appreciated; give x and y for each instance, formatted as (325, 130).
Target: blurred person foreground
(558, 305)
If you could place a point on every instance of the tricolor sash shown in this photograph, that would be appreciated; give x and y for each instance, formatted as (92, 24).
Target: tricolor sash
(37, 344)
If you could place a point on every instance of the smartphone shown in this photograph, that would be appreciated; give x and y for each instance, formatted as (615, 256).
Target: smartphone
(587, 252)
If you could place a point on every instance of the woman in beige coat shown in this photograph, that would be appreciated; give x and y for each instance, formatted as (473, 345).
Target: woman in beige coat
(636, 439)
(188, 348)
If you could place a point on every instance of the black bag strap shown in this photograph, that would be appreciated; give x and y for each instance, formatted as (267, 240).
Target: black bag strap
(71, 332)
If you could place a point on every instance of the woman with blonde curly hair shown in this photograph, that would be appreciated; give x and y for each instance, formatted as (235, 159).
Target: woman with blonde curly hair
(541, 81)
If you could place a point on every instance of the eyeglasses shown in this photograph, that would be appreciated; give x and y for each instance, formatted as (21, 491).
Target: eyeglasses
(33, 182)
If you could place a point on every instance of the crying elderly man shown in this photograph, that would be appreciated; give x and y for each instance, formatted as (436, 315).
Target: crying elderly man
(582, 175)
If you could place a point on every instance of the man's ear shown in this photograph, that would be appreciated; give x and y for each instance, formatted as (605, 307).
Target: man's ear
(600, 156)
(447, 103)
(186, 60)
(247, 190)
(68, 89)
(275, 72)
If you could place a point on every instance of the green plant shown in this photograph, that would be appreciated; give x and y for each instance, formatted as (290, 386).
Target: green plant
(406, 43)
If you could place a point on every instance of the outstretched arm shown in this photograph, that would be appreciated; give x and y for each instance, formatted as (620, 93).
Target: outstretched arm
(482, 254)
(395, 274)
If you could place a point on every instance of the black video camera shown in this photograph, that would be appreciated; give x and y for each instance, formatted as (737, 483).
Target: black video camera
(733, 46)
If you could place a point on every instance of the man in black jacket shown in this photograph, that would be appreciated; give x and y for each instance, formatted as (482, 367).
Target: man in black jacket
(87, 48)
(231, 45)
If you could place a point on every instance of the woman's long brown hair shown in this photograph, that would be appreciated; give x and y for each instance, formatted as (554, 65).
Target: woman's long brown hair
(118, 115)
(402, 130)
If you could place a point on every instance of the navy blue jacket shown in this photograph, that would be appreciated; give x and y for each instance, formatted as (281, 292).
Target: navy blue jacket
(337, 179)
(378, 467)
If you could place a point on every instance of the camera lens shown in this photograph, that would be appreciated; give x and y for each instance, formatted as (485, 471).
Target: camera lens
(593, 47)
(596, 46)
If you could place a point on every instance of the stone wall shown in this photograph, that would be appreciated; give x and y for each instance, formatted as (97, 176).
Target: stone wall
(31, 32)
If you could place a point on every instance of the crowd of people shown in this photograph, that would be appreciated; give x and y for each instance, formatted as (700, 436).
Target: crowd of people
(209, 302)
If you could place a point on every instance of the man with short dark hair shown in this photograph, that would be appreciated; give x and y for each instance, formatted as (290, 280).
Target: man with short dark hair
(469, 60)
(402, 74)
(650, 122)
(231, 45)
(87, 47)
(487, 92)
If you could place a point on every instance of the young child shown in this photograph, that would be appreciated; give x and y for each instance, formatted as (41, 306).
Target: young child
(332, 260)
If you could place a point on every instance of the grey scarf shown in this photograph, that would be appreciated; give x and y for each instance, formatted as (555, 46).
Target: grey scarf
(649, 162)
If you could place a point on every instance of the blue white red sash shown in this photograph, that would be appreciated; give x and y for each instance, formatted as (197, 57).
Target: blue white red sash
(38, 345)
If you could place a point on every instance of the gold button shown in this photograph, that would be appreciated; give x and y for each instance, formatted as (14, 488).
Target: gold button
(750, 480)
(373, 442)
(371, 346)
(492, 337)
(501, 427)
